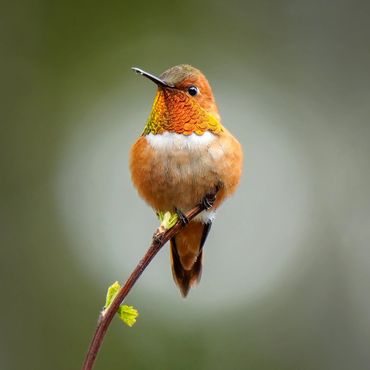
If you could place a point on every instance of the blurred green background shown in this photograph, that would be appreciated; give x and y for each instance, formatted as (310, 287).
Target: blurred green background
(286, 277)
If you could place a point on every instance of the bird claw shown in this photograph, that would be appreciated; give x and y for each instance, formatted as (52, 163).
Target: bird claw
(208, 201)
(182, 217)
(218, 186)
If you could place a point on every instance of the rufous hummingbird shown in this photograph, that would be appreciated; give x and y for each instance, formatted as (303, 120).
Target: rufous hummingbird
(183, 154)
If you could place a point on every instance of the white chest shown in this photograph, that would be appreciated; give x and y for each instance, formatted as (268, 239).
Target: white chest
(206, 147)
(170, 141)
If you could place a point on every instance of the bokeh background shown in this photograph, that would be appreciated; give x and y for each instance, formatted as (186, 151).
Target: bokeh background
(286, 276)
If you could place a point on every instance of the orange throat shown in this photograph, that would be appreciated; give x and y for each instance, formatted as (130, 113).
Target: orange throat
(173, 111)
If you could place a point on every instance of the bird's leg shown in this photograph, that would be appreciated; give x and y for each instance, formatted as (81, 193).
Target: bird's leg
(208, 201)
(218, 186)
(183, 219)
(210, 198)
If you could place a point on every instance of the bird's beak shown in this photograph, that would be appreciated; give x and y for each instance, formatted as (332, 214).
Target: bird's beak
(151, 77)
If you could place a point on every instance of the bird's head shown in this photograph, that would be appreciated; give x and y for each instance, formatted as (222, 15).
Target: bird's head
(184, 103)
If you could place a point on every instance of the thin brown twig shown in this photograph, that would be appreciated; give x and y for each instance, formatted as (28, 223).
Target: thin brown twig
(160, 238)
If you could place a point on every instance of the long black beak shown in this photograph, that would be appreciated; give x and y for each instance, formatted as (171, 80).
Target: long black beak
(151, 77)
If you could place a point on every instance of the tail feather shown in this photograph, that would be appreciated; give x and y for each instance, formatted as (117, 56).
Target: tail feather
(186, 255)
(185, 279)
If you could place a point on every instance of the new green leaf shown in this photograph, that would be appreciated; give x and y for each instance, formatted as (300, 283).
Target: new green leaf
(127, 314)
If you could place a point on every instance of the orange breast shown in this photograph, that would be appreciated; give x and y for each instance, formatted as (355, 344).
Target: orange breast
(173, 170)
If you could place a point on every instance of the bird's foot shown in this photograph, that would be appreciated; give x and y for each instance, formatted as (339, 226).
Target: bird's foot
(208, 201)
(218, 186)
(182, 217)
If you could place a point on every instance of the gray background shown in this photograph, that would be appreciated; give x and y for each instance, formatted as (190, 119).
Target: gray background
(286, 276)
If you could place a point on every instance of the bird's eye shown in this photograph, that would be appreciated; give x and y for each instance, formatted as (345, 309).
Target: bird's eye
(193, 90)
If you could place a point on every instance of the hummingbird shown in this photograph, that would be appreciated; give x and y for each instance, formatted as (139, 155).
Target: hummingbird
(183, 154)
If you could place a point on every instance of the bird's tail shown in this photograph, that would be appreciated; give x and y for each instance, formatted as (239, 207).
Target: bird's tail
(186, 255)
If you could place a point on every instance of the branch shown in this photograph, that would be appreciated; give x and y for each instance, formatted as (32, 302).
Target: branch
(160, 238)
